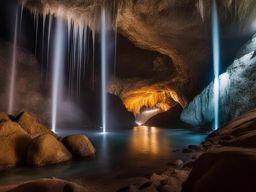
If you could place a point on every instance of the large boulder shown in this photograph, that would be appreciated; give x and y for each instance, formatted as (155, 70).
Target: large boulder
(31, 125)
(13, 144)
(49, 185)
(46, 149)
(79, 145)
(224, 169)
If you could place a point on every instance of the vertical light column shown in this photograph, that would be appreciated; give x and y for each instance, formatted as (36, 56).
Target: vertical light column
(58, 69)
(104, 69)
(216, 62)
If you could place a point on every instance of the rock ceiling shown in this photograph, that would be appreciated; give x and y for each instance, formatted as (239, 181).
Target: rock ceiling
(177, 29)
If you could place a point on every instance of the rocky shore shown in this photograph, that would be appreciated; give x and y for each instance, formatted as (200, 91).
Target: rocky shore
(225, 161)
(24, 141)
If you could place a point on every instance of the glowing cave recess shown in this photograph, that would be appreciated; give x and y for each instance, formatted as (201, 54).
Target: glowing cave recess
(147, 114)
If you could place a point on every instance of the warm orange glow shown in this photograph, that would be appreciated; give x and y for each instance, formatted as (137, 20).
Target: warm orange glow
(145, 140)
(150, 97)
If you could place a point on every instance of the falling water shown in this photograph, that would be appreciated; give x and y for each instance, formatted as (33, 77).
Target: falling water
(58, 69)
(48, 41)
(216, 62)
(36, 25)
(104, 69)
(13, 67)
(43, 36)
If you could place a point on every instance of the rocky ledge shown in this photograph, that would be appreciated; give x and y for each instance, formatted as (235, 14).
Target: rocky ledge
(25, 141)
(225, 161)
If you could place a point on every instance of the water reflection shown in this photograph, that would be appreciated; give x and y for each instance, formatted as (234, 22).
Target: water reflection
(123, 153)
(145, 140)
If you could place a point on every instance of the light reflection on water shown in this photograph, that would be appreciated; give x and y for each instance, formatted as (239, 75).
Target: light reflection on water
(123, 153)
(145, 140)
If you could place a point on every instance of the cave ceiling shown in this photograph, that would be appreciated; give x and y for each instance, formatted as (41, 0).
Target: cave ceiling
(180, 31)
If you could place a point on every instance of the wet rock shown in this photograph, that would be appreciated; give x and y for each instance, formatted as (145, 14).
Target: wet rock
(178, 163)
(79, 145)
(45, 150)
(181, 174)
(228, 169)
(158, 179)
(49, 185)
(31, 125)
(13, 144)
(174, 184)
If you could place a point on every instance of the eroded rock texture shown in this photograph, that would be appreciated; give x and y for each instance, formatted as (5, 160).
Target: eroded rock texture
(237, 91)
(177, 29)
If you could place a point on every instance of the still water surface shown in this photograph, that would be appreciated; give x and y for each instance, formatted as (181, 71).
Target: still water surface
(120, 154)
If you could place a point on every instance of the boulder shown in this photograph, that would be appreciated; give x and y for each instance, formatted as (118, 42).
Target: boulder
(4, 117)
(247, 140)
(13, 144)
(31, 125)
(224, 169)
(45, 150)
(49, 185)
(79, 145)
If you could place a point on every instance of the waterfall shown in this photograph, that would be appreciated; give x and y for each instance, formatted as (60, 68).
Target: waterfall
(216, 63)
(13, 67)
(58, 69)
(104, 69)
(48, 41)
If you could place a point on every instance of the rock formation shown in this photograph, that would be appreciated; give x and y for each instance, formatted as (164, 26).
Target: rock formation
(177, 30)
(28, 142)
(237, 91)
(228, 159)
(79, 145)
(13, 144)
(45, 150)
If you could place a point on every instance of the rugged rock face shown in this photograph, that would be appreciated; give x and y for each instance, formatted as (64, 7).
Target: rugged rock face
(237, 91)
(13, 144)
(228, 155)
(178, 30)
(30, 92)
(45, 150)
(225, 169)
(31, 125)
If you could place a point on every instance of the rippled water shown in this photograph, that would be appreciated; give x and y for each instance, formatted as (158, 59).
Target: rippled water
(120, 154)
